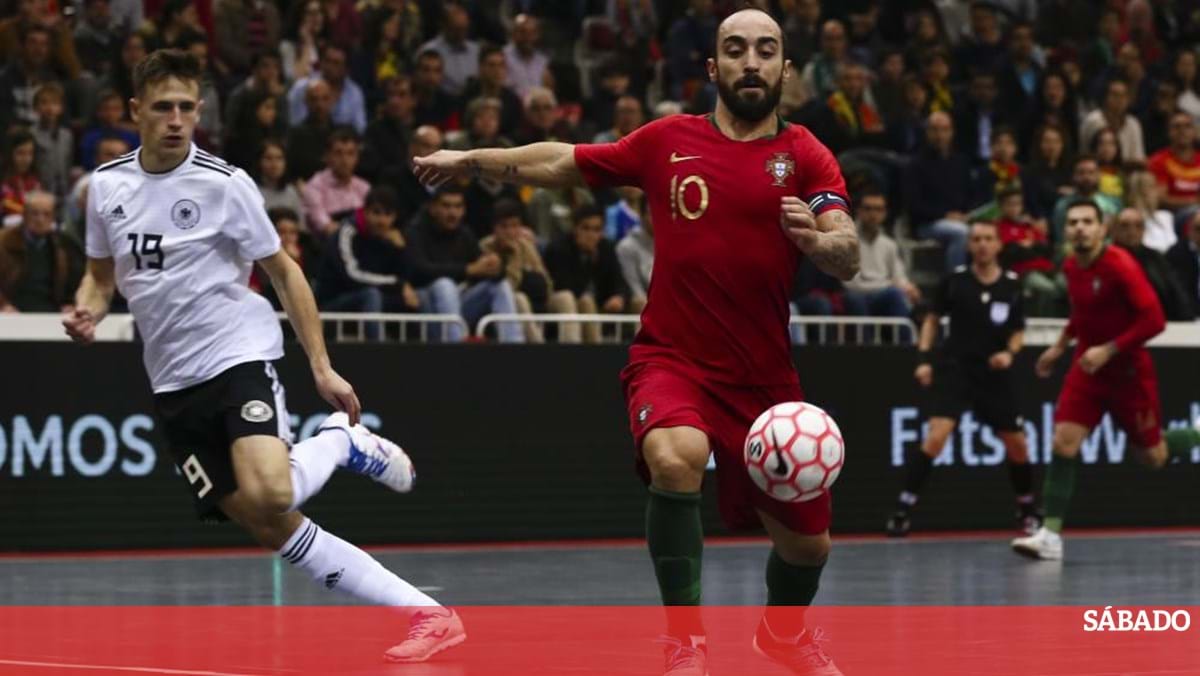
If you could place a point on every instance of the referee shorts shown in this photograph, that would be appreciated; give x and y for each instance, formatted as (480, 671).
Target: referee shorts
(959, 386)
(201, 423)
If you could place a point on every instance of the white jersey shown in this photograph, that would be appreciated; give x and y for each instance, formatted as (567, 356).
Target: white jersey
(183, 243)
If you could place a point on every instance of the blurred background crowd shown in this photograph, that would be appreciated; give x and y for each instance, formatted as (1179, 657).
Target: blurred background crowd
(941, 113)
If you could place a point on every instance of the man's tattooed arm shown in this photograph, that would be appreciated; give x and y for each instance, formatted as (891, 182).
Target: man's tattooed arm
(837, 251)
(540, 164)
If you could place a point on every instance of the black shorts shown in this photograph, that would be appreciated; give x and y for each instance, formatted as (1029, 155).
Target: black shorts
(201, 423)
(960, 386)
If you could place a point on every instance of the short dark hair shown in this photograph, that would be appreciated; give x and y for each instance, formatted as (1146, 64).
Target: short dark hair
(341, 135)
(384, 198)
(870, 191)
(1115, 80)
(488, 49)
(1085, 157)
(1003, 130)
(450, 188)
(1085, 202)
(586, 211)
(276, 214)
(430, 54)
(52, 89)
(1007, 192)
(111, 135)
(507, 208)
(263, 55)
(163, 64)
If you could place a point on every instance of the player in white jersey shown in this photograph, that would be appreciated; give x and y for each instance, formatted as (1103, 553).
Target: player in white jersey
(177, 231)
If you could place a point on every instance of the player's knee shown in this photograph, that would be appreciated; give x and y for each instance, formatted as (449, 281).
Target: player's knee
(676, 459)
(805, 550)
(1015, 447)
(267, 498)
(1067, 443)
(1155, 457)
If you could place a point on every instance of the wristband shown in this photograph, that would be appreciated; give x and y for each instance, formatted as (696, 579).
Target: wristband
(924, 358)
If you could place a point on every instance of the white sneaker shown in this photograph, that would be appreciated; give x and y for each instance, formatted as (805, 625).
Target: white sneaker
(373, 456)
(1045, 544)
(429, 633)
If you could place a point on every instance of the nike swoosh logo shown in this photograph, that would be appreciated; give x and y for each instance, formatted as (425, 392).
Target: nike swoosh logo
(438, 634)
(676, 157)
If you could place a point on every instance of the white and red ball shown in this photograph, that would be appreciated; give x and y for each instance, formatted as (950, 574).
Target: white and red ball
(794, 451)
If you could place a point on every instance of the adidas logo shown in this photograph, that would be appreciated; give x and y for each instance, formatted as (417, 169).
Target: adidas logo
(117, 214)
(332, 579)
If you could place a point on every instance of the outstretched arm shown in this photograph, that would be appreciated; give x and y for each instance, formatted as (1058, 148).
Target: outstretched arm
(547, 165)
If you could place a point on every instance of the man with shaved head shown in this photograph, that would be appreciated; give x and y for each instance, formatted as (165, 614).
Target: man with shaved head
(737, 198)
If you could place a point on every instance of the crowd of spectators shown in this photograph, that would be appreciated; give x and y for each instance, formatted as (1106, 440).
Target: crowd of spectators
(941, 112)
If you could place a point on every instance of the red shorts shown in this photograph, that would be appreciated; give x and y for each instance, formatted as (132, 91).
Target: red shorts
(659, 396)
(1133, 403)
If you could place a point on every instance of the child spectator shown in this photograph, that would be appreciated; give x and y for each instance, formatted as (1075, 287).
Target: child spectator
(110, 110)
(1000, 173)
(1028, 253)
(1107, 149)
(55, 143)
(296, 243)
(366, 267)
(20, 175)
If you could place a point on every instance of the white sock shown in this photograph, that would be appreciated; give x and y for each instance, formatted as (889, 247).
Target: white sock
(313, 461)
(335, 563)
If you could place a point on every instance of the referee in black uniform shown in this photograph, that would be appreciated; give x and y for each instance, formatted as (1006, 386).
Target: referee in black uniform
(972, 370)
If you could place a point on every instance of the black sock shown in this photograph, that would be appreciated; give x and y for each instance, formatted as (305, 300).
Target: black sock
(790, 589)
(1020, 474)
(917, 466)
(676, 539)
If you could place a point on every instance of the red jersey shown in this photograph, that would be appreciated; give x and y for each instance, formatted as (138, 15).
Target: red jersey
(1111, 300)
(1181, 178)
(1036, 256)
(717, 305)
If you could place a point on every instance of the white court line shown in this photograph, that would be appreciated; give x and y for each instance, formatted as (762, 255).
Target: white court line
(142, 670)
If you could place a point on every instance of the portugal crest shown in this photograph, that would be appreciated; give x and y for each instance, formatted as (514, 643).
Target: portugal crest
(780, 166)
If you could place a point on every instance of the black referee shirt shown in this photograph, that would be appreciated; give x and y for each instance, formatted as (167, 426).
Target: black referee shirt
(982, 317)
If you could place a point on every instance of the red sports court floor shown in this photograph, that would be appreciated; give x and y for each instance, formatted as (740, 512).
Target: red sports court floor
(931, 606)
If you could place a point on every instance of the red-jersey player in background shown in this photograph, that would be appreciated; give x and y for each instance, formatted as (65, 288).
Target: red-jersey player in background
(1114, 311)
(713, 351)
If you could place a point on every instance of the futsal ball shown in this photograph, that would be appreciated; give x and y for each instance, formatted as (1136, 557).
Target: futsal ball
(794, 452)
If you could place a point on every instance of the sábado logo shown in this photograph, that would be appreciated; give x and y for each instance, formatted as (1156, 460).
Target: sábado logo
(1124, 619)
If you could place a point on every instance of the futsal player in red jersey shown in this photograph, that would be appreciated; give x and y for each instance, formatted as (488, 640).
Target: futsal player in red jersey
(1114, 311)
(736, 197)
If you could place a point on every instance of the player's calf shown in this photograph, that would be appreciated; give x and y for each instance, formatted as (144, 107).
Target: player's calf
(918, 464)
